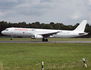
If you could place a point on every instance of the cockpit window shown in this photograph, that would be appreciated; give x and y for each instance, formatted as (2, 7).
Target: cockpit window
(6, 29)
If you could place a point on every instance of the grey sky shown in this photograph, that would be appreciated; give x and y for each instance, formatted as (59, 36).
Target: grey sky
(45, 11)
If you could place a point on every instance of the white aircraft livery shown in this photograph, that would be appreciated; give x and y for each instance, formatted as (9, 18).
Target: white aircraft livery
(46, 33)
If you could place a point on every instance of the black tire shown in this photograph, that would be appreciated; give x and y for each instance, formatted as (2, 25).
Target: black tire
(43, 39)
(46, 40)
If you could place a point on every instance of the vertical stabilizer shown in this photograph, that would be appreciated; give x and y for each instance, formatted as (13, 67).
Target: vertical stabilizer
(82, 26)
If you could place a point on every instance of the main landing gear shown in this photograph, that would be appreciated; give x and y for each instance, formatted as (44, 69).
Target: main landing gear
(44, 40)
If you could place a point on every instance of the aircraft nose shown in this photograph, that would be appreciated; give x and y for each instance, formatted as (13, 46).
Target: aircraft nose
(3, 32)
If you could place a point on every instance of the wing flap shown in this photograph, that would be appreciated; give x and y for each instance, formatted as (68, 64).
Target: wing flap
(48, 34)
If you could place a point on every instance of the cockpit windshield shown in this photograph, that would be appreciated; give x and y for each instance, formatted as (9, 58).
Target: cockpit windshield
(6, 29)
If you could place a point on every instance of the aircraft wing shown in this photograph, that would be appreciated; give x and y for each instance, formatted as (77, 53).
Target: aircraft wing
(48, 34)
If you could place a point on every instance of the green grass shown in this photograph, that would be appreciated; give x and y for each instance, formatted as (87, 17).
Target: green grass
(54, 56)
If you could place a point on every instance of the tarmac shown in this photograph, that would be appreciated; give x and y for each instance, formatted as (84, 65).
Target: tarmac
(45, 42)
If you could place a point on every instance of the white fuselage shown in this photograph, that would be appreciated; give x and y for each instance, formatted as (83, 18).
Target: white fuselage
(37, 33)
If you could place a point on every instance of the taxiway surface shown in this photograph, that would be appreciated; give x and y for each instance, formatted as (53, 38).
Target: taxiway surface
(45, 42)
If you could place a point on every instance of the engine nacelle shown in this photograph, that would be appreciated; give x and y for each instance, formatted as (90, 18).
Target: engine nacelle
(36, 37)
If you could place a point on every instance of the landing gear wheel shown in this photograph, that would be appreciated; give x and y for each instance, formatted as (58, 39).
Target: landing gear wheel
(45, 40)
(11, 37)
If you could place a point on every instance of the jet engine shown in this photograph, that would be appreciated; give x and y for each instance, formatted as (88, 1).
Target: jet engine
(36, 37)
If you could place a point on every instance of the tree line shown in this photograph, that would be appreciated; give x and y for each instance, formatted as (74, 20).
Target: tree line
(51, 25)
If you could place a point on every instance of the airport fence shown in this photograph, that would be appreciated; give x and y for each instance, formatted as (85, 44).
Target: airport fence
(48, 66)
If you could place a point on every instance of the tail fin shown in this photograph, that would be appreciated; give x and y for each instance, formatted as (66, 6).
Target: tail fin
(82, 26)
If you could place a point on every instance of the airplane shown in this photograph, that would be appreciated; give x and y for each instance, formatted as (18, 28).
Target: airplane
(44, 34)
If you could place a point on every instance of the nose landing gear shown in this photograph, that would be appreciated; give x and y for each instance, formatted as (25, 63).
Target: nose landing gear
(11, 37)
